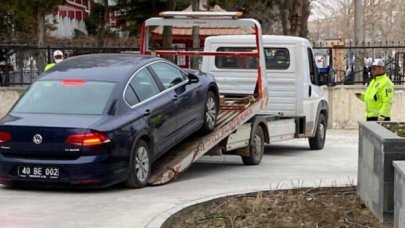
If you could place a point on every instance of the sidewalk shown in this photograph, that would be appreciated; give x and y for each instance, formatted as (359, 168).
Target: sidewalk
(285, 165)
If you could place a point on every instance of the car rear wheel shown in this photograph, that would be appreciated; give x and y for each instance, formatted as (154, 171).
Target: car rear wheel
(210, 112)
(139, 166)
(256, 148)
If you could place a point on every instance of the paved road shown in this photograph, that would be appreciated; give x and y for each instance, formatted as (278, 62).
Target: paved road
(284, 165)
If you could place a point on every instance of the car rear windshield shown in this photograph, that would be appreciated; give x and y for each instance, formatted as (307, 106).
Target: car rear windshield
(66, 97)
(276, 59)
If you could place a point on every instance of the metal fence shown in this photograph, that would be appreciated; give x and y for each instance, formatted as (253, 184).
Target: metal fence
(343, 60)
(21, 65)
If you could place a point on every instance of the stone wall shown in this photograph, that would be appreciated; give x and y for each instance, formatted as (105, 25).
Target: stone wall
(399, 194)
(378, 148)
(8, 96)
(345, 109)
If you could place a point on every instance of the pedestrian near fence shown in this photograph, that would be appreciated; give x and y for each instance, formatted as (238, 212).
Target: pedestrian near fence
(379, 94)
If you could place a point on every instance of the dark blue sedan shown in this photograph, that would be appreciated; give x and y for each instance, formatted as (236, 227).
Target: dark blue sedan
(97, 120)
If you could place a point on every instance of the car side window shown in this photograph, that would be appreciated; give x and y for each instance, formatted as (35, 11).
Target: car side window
(144, 85)
(169, 75)
(130, 96)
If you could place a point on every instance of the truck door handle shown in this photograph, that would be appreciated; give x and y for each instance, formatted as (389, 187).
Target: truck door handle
(147, 112)
(309, 91)
(175, 97)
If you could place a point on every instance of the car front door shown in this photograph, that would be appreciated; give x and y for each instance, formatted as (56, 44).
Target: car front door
(186, 96)
(145, 97)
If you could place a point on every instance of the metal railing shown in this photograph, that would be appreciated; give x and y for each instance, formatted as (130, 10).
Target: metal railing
(342, 59)
(21, 65)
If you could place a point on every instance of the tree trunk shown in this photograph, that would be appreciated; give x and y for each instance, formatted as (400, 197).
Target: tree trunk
(168, 30)
(196, 35)
(306, 11)
(41, 34)
(284, 16)
(101, 33)
(295, 18)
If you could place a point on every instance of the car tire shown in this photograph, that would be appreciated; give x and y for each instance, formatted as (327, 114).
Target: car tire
(256, 148)
(210, 113)
(139, 166)
(318, 141)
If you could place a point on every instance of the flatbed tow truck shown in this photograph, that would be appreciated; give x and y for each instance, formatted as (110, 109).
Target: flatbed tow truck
(244, 124)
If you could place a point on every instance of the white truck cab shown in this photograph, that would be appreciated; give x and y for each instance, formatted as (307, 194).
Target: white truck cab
(294, 86)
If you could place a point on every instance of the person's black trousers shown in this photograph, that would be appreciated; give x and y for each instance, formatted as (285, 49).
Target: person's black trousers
(376, 118)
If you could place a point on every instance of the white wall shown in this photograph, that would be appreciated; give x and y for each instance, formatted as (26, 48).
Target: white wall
(65, 26)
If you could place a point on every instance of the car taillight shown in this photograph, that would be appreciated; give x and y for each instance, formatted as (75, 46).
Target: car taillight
(88, 139)
(5, 137)
(73, 82)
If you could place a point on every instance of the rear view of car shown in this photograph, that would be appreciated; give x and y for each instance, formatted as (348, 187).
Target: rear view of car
(96, 120)
(47, 133)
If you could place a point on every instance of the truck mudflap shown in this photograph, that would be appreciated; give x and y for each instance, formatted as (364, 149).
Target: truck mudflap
(232, 115)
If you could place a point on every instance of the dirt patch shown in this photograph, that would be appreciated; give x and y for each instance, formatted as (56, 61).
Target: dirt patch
(315, 207)
(396, 128)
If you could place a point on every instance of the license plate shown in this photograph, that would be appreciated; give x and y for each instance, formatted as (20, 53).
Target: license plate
(38, 172)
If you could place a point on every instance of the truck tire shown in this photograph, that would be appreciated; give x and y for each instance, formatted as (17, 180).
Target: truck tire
(139, 166)
(318, 141)
(211, 108)
(256, 148)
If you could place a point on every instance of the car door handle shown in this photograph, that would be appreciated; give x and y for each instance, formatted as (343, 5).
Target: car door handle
(175, 97)
(147, 112)
(310, 91)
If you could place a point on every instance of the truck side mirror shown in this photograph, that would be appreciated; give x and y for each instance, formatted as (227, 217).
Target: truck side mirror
(326, 77)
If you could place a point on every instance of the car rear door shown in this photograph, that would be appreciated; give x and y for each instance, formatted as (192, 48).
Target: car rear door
(144, 95)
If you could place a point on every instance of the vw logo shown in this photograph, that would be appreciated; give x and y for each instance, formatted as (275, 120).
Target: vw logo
(37, 139)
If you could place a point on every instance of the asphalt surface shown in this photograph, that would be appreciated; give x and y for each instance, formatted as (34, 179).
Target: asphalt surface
(285, 165)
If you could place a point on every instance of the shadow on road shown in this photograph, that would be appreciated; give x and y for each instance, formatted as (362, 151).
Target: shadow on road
(285, 150)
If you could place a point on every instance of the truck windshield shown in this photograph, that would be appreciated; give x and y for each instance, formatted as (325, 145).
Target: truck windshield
(66, 97)
(276, 59)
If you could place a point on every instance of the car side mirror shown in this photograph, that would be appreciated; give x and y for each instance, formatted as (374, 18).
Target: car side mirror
(192, 78)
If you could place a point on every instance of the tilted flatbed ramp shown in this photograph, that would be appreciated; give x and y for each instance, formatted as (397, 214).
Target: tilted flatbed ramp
(231, 116)
(233, 113)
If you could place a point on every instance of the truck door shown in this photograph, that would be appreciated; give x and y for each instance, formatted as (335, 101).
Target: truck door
(313, 94)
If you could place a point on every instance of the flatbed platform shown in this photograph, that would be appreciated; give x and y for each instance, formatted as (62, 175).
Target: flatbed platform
(233, 113)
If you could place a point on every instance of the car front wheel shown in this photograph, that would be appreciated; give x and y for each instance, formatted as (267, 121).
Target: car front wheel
(210, 112)
(139, 166)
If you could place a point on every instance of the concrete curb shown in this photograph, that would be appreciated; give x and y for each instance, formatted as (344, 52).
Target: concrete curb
(161, 218)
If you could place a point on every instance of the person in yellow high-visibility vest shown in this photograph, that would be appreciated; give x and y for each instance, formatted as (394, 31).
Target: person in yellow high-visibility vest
(57, 57)
(379, 94)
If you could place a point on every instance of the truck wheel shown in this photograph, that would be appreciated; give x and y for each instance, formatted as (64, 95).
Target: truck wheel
(139, 166)
(318, 141)
(256, 148)
(210, 113)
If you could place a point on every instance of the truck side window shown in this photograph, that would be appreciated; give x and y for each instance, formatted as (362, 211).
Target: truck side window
(313, 70)
(276, 59)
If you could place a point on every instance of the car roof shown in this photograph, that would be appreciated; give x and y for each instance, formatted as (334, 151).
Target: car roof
(98, 67)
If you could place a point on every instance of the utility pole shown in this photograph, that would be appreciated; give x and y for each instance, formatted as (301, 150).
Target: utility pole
(196, 35)
(358, 37)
